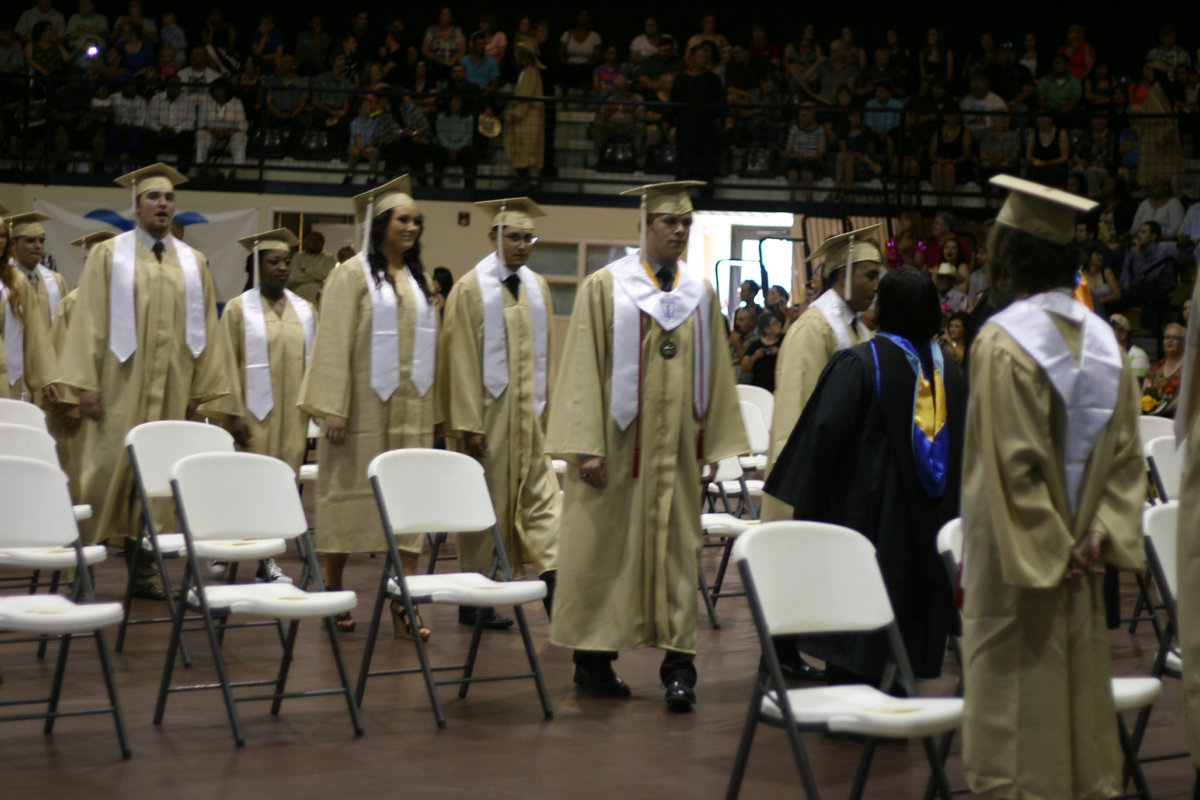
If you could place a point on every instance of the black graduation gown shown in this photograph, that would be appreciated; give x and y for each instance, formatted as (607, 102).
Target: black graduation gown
(849, 461)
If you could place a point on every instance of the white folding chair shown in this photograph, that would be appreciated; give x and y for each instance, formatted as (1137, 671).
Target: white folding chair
(1129, 694)
(38, 518)
(811, 577)
(726, 527)
(1151, 428)
(758, 431)
(18, 412)
(1166, 466)
(760, 397)
(417, 491)
(244, 506)
(730, 482)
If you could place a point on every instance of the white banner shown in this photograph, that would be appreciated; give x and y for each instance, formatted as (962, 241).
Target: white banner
(211, 231)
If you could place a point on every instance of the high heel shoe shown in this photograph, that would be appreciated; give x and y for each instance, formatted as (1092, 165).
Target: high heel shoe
(401, 626)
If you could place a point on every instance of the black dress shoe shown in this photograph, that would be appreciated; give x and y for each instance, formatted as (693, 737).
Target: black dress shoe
(601, 683)
(799, 669)
(680, 696)
(492, 620)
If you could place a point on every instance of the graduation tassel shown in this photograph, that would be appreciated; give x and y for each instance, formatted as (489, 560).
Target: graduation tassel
(849, 266)
(500, 235)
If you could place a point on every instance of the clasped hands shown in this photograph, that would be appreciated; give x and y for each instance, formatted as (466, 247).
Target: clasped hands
(1086, 558)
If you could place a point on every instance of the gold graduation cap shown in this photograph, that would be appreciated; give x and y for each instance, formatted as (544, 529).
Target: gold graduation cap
(3, 209)
(278, 239)
(385, 197)
(155, 176)
(513, 212)
(89, 240)
(1039, 210)
(27, 224)
(847, 249)
(665, 198)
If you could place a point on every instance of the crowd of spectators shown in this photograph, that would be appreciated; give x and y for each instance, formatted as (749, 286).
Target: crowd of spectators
(820, 107)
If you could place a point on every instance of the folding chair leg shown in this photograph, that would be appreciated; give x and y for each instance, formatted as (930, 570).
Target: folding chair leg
(55, 578)
(164, 685)
(864, 766)
(344, 675)
(801, 757)
(743, 754)
(943, 753)
(426, 670)
(56, 686)
(111, 687)
(472, 652)
(372, 634)
(716, 590)
(285, 664)
(222, 674)
(534, 664)
(709, 606)
(127, 601)
(938, 774)
(1132, 768)
(435, 546)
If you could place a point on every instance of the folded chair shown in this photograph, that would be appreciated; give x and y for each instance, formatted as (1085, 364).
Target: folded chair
(39, 519)
(245, 506)
(418, 491)
(810, 577)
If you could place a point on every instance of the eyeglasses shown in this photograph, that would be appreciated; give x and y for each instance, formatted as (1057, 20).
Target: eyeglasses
(517, 238)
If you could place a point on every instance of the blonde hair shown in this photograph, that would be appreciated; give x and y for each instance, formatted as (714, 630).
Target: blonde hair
(8, 274)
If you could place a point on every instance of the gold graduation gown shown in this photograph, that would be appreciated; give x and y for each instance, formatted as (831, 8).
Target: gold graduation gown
(806, 349)
(284, 432)
(155, 383)
(66, 437)
(338, 382)
(628, 553)
(40, 361)
(43, 296)
(520, 476)
(1187, 579)
(309, 271)
(1039, 721)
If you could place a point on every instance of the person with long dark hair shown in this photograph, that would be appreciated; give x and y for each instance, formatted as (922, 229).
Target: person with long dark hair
(1053, 488)
(376, 314)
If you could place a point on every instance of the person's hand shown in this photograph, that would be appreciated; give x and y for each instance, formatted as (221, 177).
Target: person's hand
(1085, 558)
(240, 431)
(476, 445)
(335, 429)
(593, 472)
(735, 337)
(90, 405)
(192, 405)
(72, 416)
(50, 393)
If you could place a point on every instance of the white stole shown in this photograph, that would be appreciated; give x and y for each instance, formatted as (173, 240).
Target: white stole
(14, 339)
(50, 281)
(122, 313)
(259, 397)
(491, 274)
(634, 293)
(838, 314)
(385, 339)
(1187, 374)
(1088, 389)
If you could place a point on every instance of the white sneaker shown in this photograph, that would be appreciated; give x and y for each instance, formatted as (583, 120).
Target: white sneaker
(218, 569)
(269, 572)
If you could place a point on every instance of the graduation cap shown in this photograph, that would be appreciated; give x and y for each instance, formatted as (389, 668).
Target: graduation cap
(26, 224)
(847, 249)
(663, 198)
(3, 209)
(385, 197)
(1040, 210)
(155, 176)
(277, 239)
(89, 240)
(513, 212)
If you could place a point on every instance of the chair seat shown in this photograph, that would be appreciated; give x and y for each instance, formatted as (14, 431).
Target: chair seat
(1130, 694)
(721, 524)
(308, 473)
(755, 461)
(469, 588)
(732, 488)
(862, 709)
(55, 614)
(49, 557)
(239, 549)
(82, 511)
(282, 600)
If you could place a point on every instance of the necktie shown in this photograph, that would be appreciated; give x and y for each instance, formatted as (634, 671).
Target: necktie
(513, 282)
(158, 250)
(666, 278)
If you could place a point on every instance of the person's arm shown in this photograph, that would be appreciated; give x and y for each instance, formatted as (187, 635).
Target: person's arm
(462, 391)
(966, 148)
(30, 61)
(1113, 284)
(325, 390)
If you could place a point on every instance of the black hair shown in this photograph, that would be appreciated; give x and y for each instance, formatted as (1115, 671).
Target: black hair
(412, 259)
(786, 294)
(1090, 221)
(1024, 264)
(444, 279)
(908, 305)
(39, 29)
(1154, 227)
(755, 285)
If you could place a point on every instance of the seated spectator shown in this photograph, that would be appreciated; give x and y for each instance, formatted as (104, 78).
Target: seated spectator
(1080, 55)
(266, 41)
(1168, 50)
(1101, 280)
(348, 46)
(744, 72)
(220, 120)
(86, 28)
(42, 10)
(459, 86)
(443, 44)
(168, 61)
(1160, 390)
(376, 89)
(172, 33)
(980, 61)
(882, 112)
(482, 70)
(366, 33)
(941, 231)
(1098, 88)
(905, 249)
(313, 46)
(129, 125)
(615, 119)
(422, 89)
(999, 150)
(221, 42)
(952, 254)
(1060, 91)
(44, 54)
(287, 97)
(949, 151)
(455, 142)
(248, 86)
(762, 47)
(930, 108)
(824, 78)
(130, 56)
(800, 56)
(198, 75)
(12, 53)
(758, 117)
(1116, 210)
(1129, 142)
(605, 74)
(1187, 103)
(1139, 362)
(396, 52)
(331, 96)
(1087, 237)
(1012, 80)
(950, 298)
(805, 150)
(172, 122)
(579, 52)
(980, 106)
(659, 129)
(1048, 151)
(1160, 206)
(935, 61)
(645, 44)
(406, 140)
(145, 26)
(1095, 155)
(759, 361)
(881, 70)
(1148, 276)
(364, 141)
(665, 62)
(708, 35)
(856, 159)
(495, 41)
